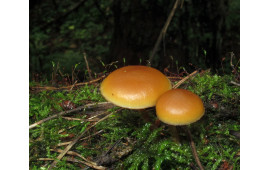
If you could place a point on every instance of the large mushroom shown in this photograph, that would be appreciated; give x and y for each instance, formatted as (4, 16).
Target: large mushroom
(134, 87)
(180, 107)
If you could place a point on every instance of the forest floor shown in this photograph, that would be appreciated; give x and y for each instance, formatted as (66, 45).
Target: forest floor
(73, 127)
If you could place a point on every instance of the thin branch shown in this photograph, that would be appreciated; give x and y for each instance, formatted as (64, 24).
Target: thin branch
(63, 130)
(73, 85)
(70, 159)
(63, 143)
(68, 87)
(61, 17)
(163, 32)
(192, 145)
(87, 66)
(174, 77)
(82, 120)
(184, 79)
(67, 143)
(182, 3)
(76, 139)
(103, 14)
(90, 105)
(110, 149)
(72, 153)
(234, 83)
(92, 135)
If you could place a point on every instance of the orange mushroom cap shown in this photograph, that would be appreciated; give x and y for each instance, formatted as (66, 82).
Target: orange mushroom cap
(179, 107)
(134, 87)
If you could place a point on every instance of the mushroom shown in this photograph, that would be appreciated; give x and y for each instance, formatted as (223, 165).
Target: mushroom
(134, 87)
(180, 107)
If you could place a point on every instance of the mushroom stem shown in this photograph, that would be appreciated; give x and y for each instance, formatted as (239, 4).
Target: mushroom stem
(147, 119)
(192, 145)
(145, 115)
(175, 136)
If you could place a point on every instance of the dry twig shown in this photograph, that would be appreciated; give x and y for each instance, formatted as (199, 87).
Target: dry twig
(72, 153)
(82, 120)
(73, 85)
(234, 83)
(92, 135)
(68, 87)
(90, 105)
(87, 66)
(63, 143)
(171, 77)
(192, 145)
(163, 31)
(184, 79)
(70, 159)
(76, 139)
(67, 143)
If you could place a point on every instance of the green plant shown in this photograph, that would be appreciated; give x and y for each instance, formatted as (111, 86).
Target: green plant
(145, 147)
(208, 86)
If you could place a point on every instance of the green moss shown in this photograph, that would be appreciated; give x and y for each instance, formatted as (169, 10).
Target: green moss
(149, 147)
(208, 86)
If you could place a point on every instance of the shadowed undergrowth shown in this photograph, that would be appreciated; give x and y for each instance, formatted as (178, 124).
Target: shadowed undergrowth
(126, 141)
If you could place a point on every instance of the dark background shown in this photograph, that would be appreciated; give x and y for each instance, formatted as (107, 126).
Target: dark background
(202, 34)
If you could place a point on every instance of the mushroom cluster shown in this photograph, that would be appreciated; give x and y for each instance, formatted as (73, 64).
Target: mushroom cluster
(140, 87)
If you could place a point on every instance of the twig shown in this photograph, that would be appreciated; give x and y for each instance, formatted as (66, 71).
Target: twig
(182, 3)
(72, 153)
(90, 105)
(62, 16)
(67, 143)
(192, 145)
(68, 87)
(70, 159)
(76, 139)
(45, 159)
(163, 31)
(109, 150)
(92, 135)
(73, 85)
(82, 120)
(92, 117)
(63, 130)
(64, 143)
(234, 83)
(171, 77)
(106, 158)
(87, 66)
(231, 63)
(184, 79)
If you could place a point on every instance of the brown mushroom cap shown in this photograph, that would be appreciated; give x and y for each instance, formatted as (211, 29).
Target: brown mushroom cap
(179, 107)
(134, 87)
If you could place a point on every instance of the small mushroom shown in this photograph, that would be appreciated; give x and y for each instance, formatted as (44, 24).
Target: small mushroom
(180, 107)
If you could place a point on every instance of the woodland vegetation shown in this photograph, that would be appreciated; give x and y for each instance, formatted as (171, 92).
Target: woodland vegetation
(74, 45)
(200, 35)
